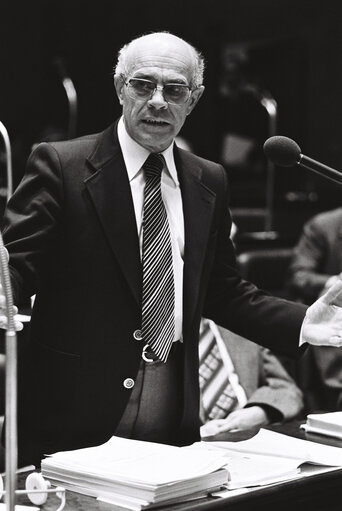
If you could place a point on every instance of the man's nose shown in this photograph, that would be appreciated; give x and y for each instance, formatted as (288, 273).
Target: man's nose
(157, 100)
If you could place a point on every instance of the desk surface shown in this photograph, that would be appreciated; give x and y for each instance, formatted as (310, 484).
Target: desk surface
(318, 492)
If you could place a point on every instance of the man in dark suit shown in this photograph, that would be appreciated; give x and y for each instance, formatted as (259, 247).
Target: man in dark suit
(74, 230)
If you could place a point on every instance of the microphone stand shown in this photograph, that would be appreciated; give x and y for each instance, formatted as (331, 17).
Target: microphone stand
(11, 386)
(11, 455)
(11, 394)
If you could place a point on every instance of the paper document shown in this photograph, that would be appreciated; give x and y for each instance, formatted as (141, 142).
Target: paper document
(270, 457)
(137, 475)
(271, 443)
(248, 469)
(139, 461)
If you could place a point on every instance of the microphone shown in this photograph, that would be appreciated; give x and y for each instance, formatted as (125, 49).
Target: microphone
(285, 152)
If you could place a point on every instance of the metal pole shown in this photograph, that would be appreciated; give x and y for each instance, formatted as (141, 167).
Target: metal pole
(4, 133)
(71, 95)
(72, 102)
(271, 107)
(11, 455)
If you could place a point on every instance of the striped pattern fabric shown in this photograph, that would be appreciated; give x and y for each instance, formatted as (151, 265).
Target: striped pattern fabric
(158, 301)
(218, 397)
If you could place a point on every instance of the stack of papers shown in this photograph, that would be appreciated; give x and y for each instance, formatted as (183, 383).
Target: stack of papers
(138, 475)
(329, 424)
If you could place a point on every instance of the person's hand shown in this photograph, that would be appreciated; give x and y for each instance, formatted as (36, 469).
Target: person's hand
(3, 318)
(243, 419)
(322, 325)
(330, 282)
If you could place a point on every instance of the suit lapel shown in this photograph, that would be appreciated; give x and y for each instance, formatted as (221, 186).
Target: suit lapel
(198, 207)
(110, 192)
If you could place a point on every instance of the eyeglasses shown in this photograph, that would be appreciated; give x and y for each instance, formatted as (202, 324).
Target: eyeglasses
(173, 93)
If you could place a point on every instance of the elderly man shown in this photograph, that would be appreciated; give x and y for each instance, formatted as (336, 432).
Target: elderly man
(124, 239)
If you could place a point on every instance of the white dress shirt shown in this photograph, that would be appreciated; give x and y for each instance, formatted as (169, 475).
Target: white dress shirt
(135, 156)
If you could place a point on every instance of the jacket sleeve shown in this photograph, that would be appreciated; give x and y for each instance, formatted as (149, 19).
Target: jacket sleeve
(31, 220)
(240, 306)
(276, 389)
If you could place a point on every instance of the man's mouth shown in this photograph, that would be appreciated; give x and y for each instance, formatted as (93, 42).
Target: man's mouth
(155, 122)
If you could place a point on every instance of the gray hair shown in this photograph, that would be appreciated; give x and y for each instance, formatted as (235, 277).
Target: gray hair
(121, 67)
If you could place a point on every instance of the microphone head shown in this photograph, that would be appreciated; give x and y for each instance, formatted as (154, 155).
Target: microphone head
(282, 151)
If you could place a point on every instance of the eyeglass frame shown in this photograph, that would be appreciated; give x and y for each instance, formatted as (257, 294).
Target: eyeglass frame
(157, 87)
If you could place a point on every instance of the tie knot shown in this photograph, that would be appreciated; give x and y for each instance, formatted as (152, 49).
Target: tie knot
(153, 165)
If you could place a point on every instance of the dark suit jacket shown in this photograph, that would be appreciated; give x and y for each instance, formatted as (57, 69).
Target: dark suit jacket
(71, 233)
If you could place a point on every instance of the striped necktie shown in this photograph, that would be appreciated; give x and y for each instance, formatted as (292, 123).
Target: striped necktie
(218, 397)
(158, 300)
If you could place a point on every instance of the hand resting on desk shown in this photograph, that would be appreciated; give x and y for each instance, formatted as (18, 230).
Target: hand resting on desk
(243, 419)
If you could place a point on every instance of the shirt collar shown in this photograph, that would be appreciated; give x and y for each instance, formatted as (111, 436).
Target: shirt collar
(135, 155)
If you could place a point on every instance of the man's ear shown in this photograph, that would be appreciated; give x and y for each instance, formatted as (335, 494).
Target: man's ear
(194, 99)
(118, 84)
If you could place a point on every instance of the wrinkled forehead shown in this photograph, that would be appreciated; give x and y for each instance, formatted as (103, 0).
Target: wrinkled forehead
(167, 53)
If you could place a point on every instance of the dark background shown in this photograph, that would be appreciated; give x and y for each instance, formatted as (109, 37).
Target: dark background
(291, 49)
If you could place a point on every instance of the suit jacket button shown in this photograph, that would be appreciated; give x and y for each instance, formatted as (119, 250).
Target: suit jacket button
(137, 334)
(128, 383)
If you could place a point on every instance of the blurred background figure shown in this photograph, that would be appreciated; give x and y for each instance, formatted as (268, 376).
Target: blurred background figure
(316, 265)
(317, 258)
(243, 385)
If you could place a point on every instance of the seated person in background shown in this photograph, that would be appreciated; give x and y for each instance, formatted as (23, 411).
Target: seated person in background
(242, 384)
(317, 258)
(316, 266)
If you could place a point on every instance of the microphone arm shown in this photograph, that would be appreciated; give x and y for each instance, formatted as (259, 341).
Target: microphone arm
(320, 168)
(286, 152)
